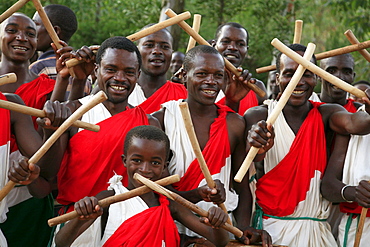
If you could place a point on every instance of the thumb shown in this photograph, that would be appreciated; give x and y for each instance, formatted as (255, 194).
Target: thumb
(34, 168)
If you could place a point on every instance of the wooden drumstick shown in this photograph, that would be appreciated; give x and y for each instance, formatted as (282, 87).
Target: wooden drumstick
(8, 78)
(326, 54)
(40, 113)
(116, 198)
(48, 26)
(177, 198)
(317, 70)
(145, 32)
(202, 41)
(98, 98)
(297, 32)
(196, 27)
(196, 148)
(277, 110)
(352, 38)
(191, 43)
(14, 8)
(360, 226)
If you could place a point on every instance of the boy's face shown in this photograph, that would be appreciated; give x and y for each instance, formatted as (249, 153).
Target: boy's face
(146, 157)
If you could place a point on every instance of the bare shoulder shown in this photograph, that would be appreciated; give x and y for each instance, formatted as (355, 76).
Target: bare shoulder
(328, 109)
(235, 120)
(255, 114)
(153, 121)
(15, 98)
(159, 115)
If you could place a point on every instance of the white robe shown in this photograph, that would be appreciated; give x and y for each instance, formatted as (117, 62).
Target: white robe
(183, 156)
(4, 161)
(137, 96)
(356, 168)
(297, 232)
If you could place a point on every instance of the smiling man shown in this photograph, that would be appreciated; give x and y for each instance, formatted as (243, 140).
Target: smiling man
(232, 41)
(152, 88)
(291, 207)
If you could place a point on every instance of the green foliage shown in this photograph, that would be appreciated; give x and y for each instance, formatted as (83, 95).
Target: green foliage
(324, 22)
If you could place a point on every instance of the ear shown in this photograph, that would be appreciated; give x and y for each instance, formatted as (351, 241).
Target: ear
(165, 165)
(278, 79)
(96, 70)
(124, 159)
(213, 43)
(58, 31)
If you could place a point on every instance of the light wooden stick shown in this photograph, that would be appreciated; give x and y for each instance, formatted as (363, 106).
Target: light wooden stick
(317, 70)
(48, 26)
(98, 98)
(196, 27)
(352, 38)
(196, 148)
(360, 227)
(236, 243)
(143, 33)
(202, 41)
(326, 54)
(277, 110)
(177, 198)
(114, 199)
(40, 113)
(192, 41)
(297, 32)
(8, 78)
(14, 8)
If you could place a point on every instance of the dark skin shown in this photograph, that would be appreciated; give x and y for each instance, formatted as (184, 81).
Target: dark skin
(341, 66)
(147, 158)
(332, 184)
(116, 74)
(156, 52)
(204, 79)
(334, 116)
(18, 44)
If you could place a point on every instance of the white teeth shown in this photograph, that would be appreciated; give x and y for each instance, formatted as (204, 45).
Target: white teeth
(118, 88)
(20, 48)
(298, 92)
(157, 61)
(231, 56)
(209, 92)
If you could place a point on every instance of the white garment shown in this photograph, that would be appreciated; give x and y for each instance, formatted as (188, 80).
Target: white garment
(96, 114)
(4, 161)
(118, 213)
(183, 156)
(297, 232)
(137, 96)
(356, 168)
(314, 97)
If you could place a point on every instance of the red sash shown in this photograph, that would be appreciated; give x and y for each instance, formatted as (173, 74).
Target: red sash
(5, 124)
(350, 106)
(152, 227)
(280, 190)
(250, 100)
(169, 91)
(215, 153)
(351, 208)
(92, 158)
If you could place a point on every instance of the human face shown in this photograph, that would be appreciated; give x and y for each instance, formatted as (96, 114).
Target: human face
(274, 88)
(362, 87)
(145, 157)
(19, 38)
(341, 67)
(43, 38)
(205, 78)
(176, 62)
(305, 86)
(156, 52)
(117, 74)
(232, 44)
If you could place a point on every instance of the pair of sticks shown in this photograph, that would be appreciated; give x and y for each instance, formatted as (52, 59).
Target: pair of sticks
(98, 98)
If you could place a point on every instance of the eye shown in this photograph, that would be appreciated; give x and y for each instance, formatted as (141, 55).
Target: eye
(156, 163)
(308, 75)
(110, 70)
(331, 70)
(219, 76)
(10, 30)
(165, 47)
(136, 160)
(31, 34)
(224, 41)
(241, 44)
(130, 73)
(288, 75)
(148, 45)
(201, 74)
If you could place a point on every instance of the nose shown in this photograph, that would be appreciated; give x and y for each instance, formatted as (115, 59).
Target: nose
(210, 80)
(231, 46)
(157, 49)
(145, 167)
(21, 36)
(120, 76)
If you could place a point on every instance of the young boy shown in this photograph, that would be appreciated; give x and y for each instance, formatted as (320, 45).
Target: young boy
(143, 220)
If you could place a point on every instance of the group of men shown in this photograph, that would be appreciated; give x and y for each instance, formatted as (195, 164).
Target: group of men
(306, 146)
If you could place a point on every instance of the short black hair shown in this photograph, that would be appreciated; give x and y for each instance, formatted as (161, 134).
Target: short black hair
(231, 24)
(118, 42)
(148, 132)
(192, 53)
(294, 47)
(64, 17)
(341, 56)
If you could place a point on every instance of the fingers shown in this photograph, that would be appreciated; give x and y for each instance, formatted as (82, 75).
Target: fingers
(252, 236)
(56, 113)
(363, 194)
(88, 208)
(19, 170)
(216, 217)
(85, 53)
(259, 134)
